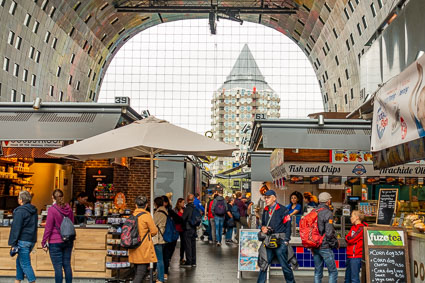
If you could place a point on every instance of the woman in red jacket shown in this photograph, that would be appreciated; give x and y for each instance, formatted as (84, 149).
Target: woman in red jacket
(354, 240)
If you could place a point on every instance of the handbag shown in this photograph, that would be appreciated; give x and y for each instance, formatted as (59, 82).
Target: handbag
(13, 251)
(230, 223)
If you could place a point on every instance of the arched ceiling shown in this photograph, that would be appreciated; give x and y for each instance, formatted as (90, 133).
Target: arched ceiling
(332, 33)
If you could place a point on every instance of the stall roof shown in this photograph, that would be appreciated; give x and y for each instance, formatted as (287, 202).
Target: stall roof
(61, 120)
(345, 134)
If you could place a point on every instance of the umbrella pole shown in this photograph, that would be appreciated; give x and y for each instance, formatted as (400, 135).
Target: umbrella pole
(152, 186)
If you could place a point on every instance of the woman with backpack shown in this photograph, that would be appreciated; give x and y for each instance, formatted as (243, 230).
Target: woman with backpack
(219, 209)
(59, 250)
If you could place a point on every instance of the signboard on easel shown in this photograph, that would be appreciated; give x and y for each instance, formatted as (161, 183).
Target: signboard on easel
(386, 255)
(248, 250)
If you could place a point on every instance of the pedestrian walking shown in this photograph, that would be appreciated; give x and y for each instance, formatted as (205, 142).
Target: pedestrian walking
(354, 241)
(210, 215)
(229, 221)
(242, 209)
(189, 232)
(197, 203)
(179, 209)
(23, 236)
(160, 219)
(275, 234)
(170, 247)
(219, 210)
(324, 253)
(141, 256)
(60, 251)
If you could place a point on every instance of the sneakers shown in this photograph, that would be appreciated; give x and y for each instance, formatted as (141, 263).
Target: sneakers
(193, 265)
(182, 262)
(218, 244)
(165, 277)
(209, 242)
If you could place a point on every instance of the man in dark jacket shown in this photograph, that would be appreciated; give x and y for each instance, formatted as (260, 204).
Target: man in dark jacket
(219, 210)
(189, 233)
(242, 207)
(324, 254)
(276, 224)
(23, 235)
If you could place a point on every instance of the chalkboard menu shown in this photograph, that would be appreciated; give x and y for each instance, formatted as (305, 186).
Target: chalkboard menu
(386, 255)
(387, 204)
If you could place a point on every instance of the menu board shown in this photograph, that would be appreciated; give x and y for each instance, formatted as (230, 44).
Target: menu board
(386, 255)
(387, 204)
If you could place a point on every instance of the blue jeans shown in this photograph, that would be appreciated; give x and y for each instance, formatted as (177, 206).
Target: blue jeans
(23, 261)
(229, 233)
(282, 256)
(352, 271)
(160, 263)
(60, 255)
(219, 222)
(322, 256)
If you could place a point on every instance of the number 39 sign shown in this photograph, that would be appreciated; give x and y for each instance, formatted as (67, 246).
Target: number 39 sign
(122, 99)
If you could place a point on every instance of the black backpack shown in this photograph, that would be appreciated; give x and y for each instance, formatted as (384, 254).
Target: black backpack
(67, 229)
(196, 217)
(130, 238)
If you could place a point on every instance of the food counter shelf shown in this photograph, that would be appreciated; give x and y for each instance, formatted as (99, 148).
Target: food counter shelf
(90, 244)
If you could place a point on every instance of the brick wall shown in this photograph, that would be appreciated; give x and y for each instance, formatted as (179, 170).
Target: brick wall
(132, 182)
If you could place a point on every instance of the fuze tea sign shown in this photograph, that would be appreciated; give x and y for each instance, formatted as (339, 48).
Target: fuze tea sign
(385, 238)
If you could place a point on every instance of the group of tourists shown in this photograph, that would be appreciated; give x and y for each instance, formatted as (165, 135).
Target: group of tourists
(275, 235)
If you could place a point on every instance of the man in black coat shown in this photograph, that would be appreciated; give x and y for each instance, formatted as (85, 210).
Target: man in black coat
(23, 235)
(189, 233)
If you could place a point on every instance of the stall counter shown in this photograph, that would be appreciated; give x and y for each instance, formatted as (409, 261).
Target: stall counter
(88, 257)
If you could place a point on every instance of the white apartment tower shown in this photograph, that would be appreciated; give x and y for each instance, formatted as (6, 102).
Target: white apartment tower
(244, 94)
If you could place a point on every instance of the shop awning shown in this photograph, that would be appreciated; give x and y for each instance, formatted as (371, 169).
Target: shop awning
(309, 134)
(61, 120)
(246, 175)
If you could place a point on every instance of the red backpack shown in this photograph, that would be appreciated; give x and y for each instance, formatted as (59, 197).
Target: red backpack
(309, 230)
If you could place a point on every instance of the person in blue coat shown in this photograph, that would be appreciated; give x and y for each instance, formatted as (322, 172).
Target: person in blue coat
(295, 206)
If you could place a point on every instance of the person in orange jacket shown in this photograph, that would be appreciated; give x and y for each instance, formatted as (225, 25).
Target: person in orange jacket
(354, 241)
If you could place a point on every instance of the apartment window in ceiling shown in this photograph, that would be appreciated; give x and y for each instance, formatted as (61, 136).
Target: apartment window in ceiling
(12, 8)
(346, 13)
(54, 42)
(312, 39)
(58, 71)
(318, 62)
(320, 83)
(16, 70)
(52, 11)
(352, 39)
(372, 7)
(104, 6)
(31, 52)
(18, 42)
(115, 49)
(87, 18)
(51, 90)
(35, 27)
(77, 86)
(94, 76)
(123, 29)
(114, 21)
(6, 64)
(22, 97)
(327, 7)
(33, 79)
(324, 51)
(380, 4)
(103, 37)
(13, 95)
(70, 80)
(44, 5)
(47, 37)
(315, 65)
(336, 35)
(308, 46)
(335, 88)
(348, 44)
(72, 58)
(27, 20)
(72, 31)
(359, 29)
(25, 75)
(37, 56)
(60, 95)
(326, 74)
(346, 99)
(339, 82)
(324, 79)
(364, 22)
(90, 95)
(88, 51)
(336, 60)
(352, 93)
(299, 21)
(336, 108)
(321, 20)
(346, 74)
(89, 73)
(85, 44)
(350, 4)
(77, 5)
(327, 46)
(11, 37)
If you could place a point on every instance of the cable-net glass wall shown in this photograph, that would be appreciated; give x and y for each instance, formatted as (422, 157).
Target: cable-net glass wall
(173, 70)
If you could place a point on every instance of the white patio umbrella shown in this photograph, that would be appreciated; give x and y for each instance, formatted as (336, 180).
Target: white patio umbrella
(149, 137)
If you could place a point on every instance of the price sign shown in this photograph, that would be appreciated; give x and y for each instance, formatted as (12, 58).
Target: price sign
(386, 255)
(387, 204)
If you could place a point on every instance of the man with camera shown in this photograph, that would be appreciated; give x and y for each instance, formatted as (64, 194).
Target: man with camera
(276, 234)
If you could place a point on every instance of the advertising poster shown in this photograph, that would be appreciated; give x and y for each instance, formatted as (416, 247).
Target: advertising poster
(248, 250)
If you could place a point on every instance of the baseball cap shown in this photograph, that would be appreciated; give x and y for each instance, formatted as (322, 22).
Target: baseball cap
(324, 197)
(270, 193)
